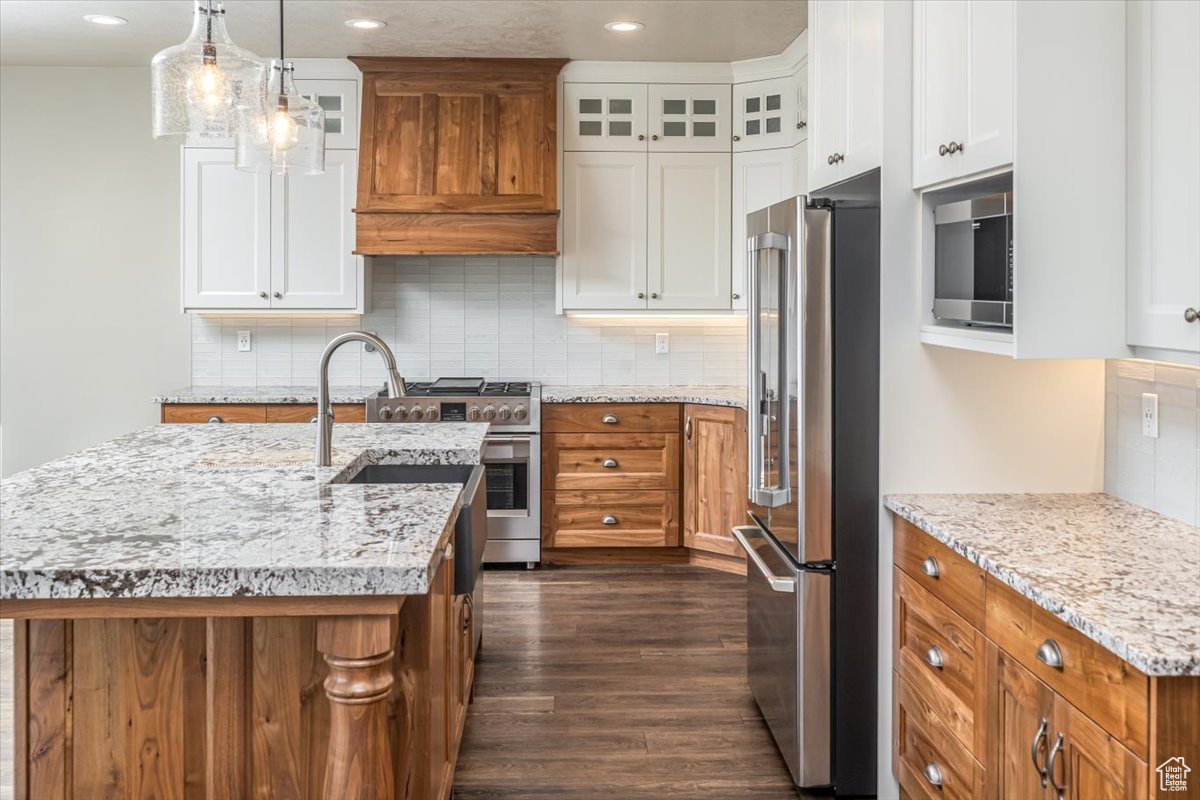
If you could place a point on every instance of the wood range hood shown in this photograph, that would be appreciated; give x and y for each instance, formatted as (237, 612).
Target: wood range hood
(457, 156)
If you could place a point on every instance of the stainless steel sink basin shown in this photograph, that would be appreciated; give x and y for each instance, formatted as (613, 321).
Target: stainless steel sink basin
(414, 473)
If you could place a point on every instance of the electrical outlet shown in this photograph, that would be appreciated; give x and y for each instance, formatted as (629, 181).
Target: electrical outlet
(1150, 415)
(662, 342)
(243, 341)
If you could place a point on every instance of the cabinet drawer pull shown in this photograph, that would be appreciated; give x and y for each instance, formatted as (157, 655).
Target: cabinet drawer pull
(609, 519)
(933, 773)
(687, 429)
(1191, 315)
(930, 567)
(215, 418)
(934, 657)
(449, 552)
(1049, 654)
(1054, 751)
(1038, 737)
(610, 463)
(314, 419)
(610, 419)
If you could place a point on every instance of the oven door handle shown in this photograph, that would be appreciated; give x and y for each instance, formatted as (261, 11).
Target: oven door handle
(507, 440)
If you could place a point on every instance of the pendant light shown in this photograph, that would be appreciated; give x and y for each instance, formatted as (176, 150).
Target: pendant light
(201, 87)
(288, 136)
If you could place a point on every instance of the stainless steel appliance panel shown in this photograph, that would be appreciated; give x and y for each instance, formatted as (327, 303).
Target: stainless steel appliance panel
(973, 261)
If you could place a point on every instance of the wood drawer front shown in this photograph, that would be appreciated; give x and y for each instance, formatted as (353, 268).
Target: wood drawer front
(629, 418)
(956, 690)
(636, 461)
(959, 583)
(638, 519)
(305, 412)
(203, 412)
(1102, 685)
(920, 739)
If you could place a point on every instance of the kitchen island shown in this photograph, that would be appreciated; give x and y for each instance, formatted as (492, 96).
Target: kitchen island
(183, 593)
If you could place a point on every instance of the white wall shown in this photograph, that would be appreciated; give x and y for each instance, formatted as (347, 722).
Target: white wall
(956, 421)
(90, 325)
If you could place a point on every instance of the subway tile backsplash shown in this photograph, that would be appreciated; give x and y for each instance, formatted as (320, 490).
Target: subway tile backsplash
(489, 316)
(1163, 473)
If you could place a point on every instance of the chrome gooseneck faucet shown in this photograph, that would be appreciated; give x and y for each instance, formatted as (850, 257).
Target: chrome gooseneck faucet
(395, 386)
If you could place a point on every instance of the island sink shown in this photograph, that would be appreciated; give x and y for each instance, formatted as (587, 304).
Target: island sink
(414, 473)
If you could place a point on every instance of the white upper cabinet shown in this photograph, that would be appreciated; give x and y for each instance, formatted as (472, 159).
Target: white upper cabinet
(226, 233)
(765, 113)
(800, 92)
(962, 88)
(1164, 173)
(605, 117)
(760, 178)
(604, 230)
(687, 264)
(312, 261)
(845, 59)
(689, 118)
(339, 99)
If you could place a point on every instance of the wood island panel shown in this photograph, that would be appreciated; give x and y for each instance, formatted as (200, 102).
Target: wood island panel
(203, 412)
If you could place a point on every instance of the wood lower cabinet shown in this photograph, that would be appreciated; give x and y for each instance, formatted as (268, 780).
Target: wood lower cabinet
(1093, 727)
(258, 412)
(610, 519)
(714, 477)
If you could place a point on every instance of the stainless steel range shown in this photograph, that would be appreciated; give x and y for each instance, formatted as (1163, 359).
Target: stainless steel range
(512, 453)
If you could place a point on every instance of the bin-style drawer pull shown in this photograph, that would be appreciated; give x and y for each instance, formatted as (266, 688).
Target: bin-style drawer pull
(930, 567)
(610, 419)
(610, 463)
(934, 657)
(214, 418)
(1049, 654)
(609, 519)
(933, 773)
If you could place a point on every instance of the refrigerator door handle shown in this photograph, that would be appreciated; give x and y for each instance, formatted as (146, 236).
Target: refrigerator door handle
(776, 582)
(760, 494)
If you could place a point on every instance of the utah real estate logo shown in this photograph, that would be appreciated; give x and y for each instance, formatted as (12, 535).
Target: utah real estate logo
(1172, 775)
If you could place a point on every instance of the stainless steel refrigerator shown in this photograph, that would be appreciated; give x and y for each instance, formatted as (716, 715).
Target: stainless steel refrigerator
(812, 541)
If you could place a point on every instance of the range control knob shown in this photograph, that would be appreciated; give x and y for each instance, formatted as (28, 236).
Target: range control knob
(489, 413)
(520, 413)
(432, 413)
(473, 413)
(504, 414)
(385, 413)
(400, 413)
(416, 414)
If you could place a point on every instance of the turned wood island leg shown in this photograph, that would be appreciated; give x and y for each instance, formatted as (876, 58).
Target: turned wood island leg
(358, 650)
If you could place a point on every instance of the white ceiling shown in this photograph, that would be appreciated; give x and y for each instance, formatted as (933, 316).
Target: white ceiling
(54, 32)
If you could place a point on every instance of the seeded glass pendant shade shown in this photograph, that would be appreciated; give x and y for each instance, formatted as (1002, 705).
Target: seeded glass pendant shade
(289, 139)
(204, 86)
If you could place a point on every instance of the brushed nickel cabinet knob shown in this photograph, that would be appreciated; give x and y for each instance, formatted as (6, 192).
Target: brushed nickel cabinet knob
(1191, 315)
(654, 295)
(641, 295)
(278, 295)
(943, 150)
(654, 138)
(641, 137)
(263, 295)
(737, 138)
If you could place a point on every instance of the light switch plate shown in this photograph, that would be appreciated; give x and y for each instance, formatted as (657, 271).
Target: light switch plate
(662, 343)
(1150, 415)
(243, 341)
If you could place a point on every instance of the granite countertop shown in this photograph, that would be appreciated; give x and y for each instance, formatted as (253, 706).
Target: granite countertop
(230, 510)
(734, 396)
(1122, 575)
(264, 394)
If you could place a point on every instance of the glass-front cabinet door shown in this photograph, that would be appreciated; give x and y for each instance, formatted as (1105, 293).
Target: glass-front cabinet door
(609, 117)
(765, 114)
(689, 118)
(339, 100)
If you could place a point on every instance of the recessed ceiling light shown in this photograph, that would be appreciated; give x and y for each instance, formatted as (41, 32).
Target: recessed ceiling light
(365, 24)
(624, 27)
(104, 19)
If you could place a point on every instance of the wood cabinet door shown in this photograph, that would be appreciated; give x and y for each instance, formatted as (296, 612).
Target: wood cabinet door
(441, 678)
(687, 235)
(1087, 763)
(313, 265)
(940, 41)
(604, 231)
(689, 118)
(715, 474)
(765, 112)
(1020, 729)
(226, 233)
(607, 117)
(447, 135)
(760, 178)
(828, 42)
(1163, 172)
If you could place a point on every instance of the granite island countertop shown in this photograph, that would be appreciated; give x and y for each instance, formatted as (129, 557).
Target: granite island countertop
(1122, 575)
(222, 395)
(732, 396)
(231, 510)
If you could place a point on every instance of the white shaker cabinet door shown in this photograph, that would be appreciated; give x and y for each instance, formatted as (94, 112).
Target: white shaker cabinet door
(226, 233)
(864, 89)
(940, 34)
(987, 137)
(688, 232)
(765, 113)
(829, 42)
(1164, 173)
(799, 90)
(760, 179)
(313, 265)
(689, 118)
(605, 117)
(604, 231)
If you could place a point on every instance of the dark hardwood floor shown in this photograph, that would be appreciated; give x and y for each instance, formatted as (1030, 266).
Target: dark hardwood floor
(621, 682)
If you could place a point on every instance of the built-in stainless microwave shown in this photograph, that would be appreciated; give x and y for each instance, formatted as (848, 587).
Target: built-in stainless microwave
(973, 263)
